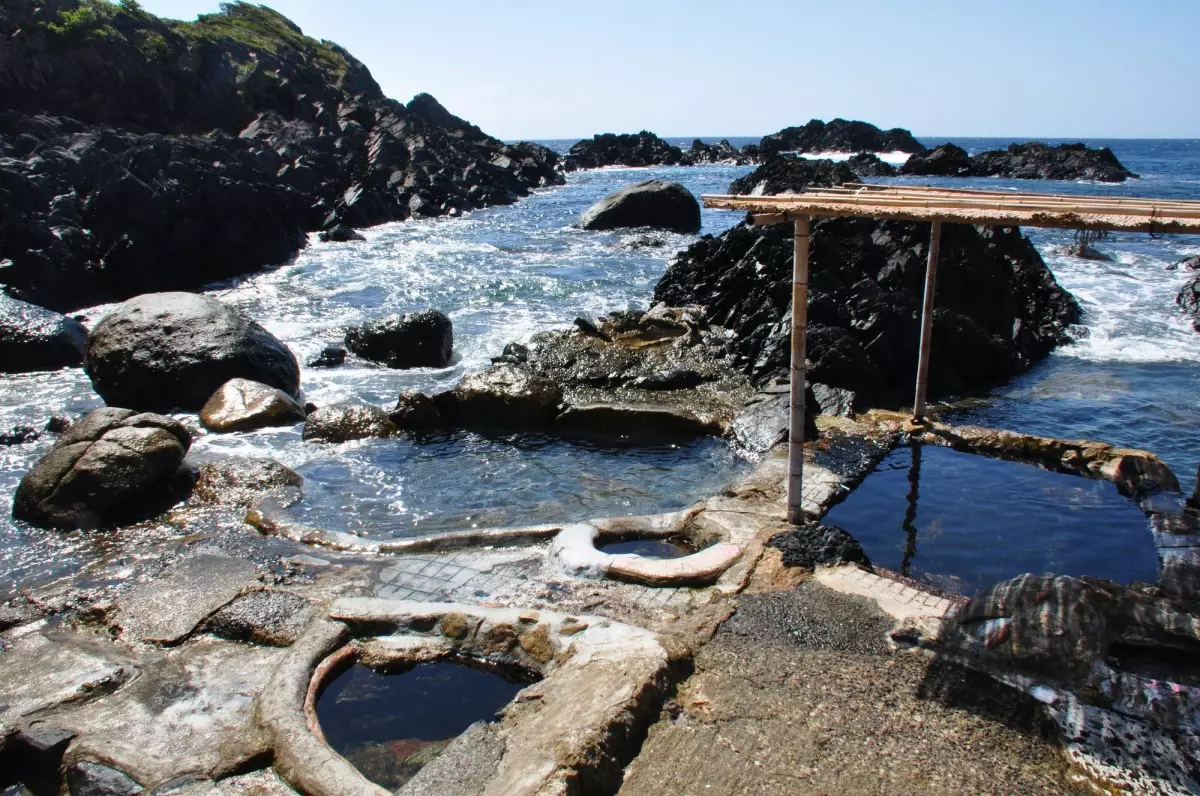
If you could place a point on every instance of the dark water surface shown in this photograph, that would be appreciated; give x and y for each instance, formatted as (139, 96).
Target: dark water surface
(650, 548)
(390, 725)
(505, 273)
(962, 522)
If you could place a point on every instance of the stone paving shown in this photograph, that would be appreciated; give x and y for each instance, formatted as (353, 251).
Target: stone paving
(896, 599)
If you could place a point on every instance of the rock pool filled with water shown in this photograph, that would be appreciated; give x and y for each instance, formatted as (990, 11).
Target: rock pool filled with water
(504, 273)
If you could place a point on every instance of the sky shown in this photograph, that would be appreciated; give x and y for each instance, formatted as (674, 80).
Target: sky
(535, 69)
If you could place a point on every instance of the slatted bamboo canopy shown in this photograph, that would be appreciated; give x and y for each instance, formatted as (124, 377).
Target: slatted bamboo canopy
(936, 206)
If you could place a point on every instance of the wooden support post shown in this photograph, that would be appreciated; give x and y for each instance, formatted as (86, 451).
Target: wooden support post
(795, 497)
(935, 243)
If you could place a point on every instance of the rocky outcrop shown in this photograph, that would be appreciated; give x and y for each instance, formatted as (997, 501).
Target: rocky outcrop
(868, 164)
(721, 152)
(1188, 298)
(172, 351)
(240, 482)
(112, 466)
(507, 396)
(33, 338)
(138, 154)
(244, 405)
(1031, 161)
(947, 160)
(343, 422)
(415, 411)
(653, 203)
(791, 174)
(999, 309)
(839, 136)
(627, 149)
(422, 339)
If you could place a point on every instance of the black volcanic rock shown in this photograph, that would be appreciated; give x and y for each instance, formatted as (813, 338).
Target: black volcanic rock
(791, 174)
(839, 136)
(868, 164)
(422, 339)
(1038, 161)
(33, 338)
(172, 351)
(999, 309)
(127, 141)
(653, 203)
(947, 160)
(720, 152)
(1031, 161)
(627, 149)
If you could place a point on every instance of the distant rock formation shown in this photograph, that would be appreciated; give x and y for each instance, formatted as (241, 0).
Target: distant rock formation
(139, 154)
(791, 174)
(1031, 161)
(839, 136)
(999, 309)
(628, 149)
(868, 164)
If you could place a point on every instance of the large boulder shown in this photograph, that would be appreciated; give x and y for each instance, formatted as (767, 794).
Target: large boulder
(422, 339)
(507, 396)
(653, 203)
(1038, 161)
(415, 411)
(766, 419)
(343, 422)
(33, 338)
(172, 351)
(113, 466)
(999, 309)
(628, 149)
(244, 405)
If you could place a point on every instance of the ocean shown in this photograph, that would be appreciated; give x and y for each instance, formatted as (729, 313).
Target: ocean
(504, 273)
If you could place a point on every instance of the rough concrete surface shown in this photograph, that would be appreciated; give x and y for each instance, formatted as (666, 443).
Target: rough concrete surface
(798, 694)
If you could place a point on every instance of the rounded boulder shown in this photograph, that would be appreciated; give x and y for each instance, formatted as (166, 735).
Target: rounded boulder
(114, 465)
(343, 422)
(653, 203)
(244, 405)
(172, 351)
(422, 339)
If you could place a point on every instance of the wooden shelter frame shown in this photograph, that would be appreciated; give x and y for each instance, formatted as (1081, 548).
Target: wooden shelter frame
(936, 206)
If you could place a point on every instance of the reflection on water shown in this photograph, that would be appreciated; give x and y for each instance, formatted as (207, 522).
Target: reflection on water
(963, 522)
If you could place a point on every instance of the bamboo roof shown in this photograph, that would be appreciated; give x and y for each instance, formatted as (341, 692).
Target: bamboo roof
(961, 206)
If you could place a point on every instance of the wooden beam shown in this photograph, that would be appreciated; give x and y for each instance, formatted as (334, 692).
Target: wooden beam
(935, 244)
(795, 489)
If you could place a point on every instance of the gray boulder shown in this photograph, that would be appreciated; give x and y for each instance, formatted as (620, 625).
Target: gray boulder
(653, 203)
(93, 779)
(343, 422)
(114, 465)
(244, 405)
(33, 338)
(239, 482)
(507, 396)
(417, 340)
(168, 351)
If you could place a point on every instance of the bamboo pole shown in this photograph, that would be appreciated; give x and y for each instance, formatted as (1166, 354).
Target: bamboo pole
(795, 496)
(935, 244)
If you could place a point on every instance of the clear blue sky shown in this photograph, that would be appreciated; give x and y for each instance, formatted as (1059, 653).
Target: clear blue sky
(535, 69)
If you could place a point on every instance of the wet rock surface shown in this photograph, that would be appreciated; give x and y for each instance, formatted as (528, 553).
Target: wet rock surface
(415, 411)
(113, 465)
(214, 146)
(839, 135)
(507, 396)
(627, 149)
(766, 419)
(239, 482)
(422, 339)
(166, 611)
(33, 338)
(653, 203)
(172, 351)
(244, 405)
(1030, 161)
(818, 546)
(343, 422)
(999, 309)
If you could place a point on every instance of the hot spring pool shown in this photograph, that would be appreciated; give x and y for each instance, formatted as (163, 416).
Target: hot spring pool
(962, 522)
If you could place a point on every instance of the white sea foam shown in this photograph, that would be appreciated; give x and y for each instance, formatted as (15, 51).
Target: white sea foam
(896, 158)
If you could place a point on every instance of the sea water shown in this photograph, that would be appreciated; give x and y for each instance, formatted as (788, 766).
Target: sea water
(504, 273)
